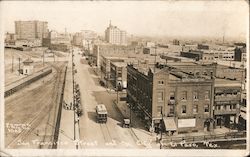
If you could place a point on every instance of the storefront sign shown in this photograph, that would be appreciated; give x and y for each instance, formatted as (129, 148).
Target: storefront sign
(183, 123)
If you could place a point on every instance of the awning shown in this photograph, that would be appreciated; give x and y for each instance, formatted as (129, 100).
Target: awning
(170, 124)
(243, 115)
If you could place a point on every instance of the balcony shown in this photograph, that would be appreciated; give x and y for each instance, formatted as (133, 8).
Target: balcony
(226, 111)
(227, 97)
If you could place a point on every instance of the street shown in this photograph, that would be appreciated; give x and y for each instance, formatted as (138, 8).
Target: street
(93, 134)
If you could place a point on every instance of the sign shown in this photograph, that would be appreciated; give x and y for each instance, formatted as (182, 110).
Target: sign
(183, 123)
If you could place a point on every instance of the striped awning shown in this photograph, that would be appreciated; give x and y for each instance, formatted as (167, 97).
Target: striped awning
(170, 124)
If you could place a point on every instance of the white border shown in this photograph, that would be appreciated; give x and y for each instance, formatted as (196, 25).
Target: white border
(113, 152)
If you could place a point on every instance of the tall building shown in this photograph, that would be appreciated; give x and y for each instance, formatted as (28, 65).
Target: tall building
(115, 36)
(31, 29)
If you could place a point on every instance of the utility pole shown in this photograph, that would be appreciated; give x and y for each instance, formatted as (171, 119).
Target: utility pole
(12, 64)
(19, 60)
(161, 128)
(43, 58)
(117, 89)
(155, 58)
(54, 55)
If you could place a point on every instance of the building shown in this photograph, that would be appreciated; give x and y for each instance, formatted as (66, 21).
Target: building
(203, 47)
(27, 67)
(115, 36)
(60, 47)
(176, 42)
(10, 39)
(150, 44)
(240, 54)
(88, 34)
(118, 74)
(77, 39)
(28, 43)
(182, 101)
(209, 55)
(194, 54)
(105, 66)
(31, 29)
(227, 99)
(230, 73)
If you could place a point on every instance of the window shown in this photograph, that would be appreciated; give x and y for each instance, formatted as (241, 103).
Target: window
(171, 96)
(234, 106)
(206, 108)
(218, 107)
(184, 109)
(184, 95)
(207, 95)
(195, 95)
(171, 109)
(160, 96)
(195, 109)
(160, 82)
(159, 109)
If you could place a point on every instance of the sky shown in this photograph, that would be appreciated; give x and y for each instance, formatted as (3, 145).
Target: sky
(149, 18)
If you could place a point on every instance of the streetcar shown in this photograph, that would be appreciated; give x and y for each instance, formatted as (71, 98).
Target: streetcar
(101, 113)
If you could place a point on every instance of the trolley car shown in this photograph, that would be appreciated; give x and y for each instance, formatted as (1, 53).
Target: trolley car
(101, 113)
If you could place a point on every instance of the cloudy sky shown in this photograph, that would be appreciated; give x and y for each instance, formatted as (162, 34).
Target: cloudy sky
(161, 18)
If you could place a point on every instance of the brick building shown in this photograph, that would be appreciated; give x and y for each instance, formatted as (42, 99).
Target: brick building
(118, 74)
(227, 102)
(183, 101)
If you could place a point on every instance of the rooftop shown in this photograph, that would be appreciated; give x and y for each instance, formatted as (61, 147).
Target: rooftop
(226, 83)
(119, 64)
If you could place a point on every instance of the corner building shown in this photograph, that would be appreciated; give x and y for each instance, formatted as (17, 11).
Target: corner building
(167, 97)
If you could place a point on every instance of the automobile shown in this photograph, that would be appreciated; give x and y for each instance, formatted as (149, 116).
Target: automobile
(126, 123)
(102, 83)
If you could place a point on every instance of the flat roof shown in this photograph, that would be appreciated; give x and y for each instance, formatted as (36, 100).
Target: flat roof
(181, 63)
(226, 83)
(119, 64)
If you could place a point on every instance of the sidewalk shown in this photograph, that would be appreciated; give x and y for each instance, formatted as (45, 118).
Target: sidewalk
(66, 133)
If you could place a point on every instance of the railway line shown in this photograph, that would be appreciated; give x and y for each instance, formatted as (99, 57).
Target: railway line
(105, 132)
(46, 96)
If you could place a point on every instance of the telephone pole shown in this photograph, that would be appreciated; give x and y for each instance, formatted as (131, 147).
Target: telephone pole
(19, 60)
(12, 64)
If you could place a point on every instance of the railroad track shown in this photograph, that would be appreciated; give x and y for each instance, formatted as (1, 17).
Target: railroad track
(54, 102)
(36, 120)
(105, 132)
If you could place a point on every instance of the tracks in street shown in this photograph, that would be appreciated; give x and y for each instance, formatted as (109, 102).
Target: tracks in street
(105, 132)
